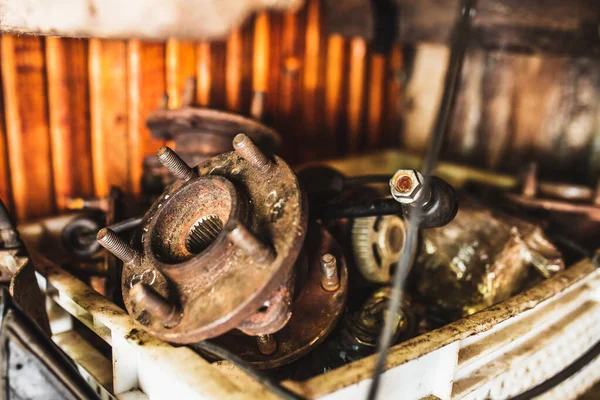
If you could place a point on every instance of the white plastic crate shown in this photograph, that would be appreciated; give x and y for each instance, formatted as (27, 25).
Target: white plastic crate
(494, 354)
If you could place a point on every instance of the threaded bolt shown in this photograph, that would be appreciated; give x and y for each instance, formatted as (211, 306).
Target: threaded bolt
(246, 148)
(147, 298)
(267, 344)
(250, 244)
(117, 246)
(330, 279)
(175, 164)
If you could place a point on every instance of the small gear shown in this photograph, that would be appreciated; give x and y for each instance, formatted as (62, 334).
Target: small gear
(377, 243)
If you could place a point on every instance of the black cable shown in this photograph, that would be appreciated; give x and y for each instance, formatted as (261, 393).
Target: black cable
(562, 376)
(258, 376)
(366, 180)
(460, 39)
(357, 209)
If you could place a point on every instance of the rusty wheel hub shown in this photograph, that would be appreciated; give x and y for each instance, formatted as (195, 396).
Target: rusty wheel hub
(217, 250)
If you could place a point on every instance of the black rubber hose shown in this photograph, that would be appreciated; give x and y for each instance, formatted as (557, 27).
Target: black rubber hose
(258, 376)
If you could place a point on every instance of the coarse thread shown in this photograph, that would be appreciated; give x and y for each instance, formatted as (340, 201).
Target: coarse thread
(267, 344)
(244, 239)
(329, 274)
(174, 164)
(248, 150)
(117, 246)
(147, 298)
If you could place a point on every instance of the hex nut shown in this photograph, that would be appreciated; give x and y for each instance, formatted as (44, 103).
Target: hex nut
(406, 186)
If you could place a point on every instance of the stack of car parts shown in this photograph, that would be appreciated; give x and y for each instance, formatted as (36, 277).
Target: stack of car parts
(291, 273)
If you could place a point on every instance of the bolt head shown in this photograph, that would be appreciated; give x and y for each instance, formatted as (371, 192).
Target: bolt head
(406, 186)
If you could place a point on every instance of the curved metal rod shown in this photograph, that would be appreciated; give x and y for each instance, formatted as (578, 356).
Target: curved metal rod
(460, 40)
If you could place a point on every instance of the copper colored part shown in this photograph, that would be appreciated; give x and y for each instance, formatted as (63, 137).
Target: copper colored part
(330, 279)
(403, 184)
(565, 191)
(145, 297)
(174, 164)
(248, 150)
(267, 344)
(117, 246)
(315, 311)
(189, 260)
(591, 211)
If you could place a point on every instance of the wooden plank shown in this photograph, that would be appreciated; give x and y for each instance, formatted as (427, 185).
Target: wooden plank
(203, 73)
(233, 73)
(312, 83)
(23, 78)
(260, 73)
(146, 85)
(109, 115)
(356, 99)
(5, 184)
(181, 65)
(68, 106)
(334, 82)
(375, 99)
(274, 68)
(292, 42)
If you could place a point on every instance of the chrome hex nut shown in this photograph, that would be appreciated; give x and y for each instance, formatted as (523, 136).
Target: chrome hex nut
(406, 186)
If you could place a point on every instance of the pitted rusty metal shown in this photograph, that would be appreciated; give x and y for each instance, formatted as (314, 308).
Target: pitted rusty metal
(314, 312)
(200, 133)
(221, 286)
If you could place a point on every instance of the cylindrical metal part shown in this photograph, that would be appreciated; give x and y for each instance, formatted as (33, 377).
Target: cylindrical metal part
(156, 305)
(175, 164)
(243, 238)
(246, 148)
(267, 344)
(330, 279)
(117, 246)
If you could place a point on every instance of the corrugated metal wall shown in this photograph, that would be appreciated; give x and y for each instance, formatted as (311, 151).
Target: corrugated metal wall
(73, 111)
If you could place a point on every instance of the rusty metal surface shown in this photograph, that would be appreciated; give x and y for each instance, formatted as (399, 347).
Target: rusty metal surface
(315, 311)
(557, 197)
(223, 284)
(200, 133)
